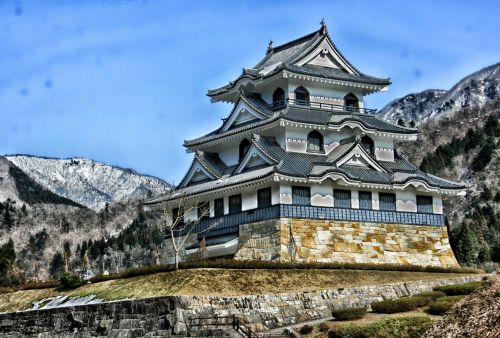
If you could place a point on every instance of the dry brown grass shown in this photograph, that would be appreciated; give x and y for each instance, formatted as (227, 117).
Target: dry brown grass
(228, 282)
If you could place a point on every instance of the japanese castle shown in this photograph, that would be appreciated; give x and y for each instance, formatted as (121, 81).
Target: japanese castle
(302, 170)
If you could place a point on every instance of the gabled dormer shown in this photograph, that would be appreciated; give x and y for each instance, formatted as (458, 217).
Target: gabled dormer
(254, 157)
(244, 112)
(204, 168)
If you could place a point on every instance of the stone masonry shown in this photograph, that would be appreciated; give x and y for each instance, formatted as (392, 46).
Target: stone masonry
(171, 316)
(345, 242)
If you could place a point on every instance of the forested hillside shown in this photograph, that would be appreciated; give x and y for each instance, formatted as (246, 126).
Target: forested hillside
(466, 147)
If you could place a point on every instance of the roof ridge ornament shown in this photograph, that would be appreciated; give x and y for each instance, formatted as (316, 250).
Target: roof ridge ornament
(269, 46)
(324, 29)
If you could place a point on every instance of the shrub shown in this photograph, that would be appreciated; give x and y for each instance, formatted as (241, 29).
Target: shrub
(400, 305)
(41, 285)
(70, 281)
(439, 308)
(458, 289)
(306, 329)
(449, 299)
(431, 294)
(443, 304)
(349, 313)
(323, 327)
(394, 327)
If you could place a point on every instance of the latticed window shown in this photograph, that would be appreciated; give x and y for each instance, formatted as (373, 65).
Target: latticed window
(387, 201)
(219, 207)
(365, 200)
(368, 145)
(301, 96)
(234, 204)
(301, 195)
(264, 198)
(278, 97)
(315, 141)
(342, 198)
(424, 204)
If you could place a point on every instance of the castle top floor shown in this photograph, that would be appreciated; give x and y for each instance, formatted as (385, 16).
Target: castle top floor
(308, 67)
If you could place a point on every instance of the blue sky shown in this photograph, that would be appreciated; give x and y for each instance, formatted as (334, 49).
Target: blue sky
(125, 82)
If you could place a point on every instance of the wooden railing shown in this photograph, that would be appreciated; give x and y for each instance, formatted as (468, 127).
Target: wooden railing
(320, 105)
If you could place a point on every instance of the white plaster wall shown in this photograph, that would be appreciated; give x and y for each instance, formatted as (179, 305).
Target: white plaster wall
(406, 201)
(296, 138)
(248, 200)
(275, 195)
(375, 201)
(384, 154)
(437, 204)
(383, 142)
(226, 205)
(322, 195)
(285, 194)
(355, 199)
(229, 153)
(266, 92)
(191, 213)
(211, 205)
(327, 91)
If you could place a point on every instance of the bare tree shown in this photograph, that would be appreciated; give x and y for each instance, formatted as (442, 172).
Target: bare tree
(178, 229)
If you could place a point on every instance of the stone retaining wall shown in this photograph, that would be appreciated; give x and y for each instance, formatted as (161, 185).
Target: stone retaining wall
(166, 316)
(363, 242)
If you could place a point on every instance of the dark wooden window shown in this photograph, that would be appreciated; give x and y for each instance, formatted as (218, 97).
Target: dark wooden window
(351, 102)
(368, 145)
(301, 195)
(387, 201)
(203, 210)
(264, 198)
(178, 216)
(234, 204)
(278, 97)
(365, 200)
(424, 204)
(219, 207)
(315, 141)
(301, 96)
(342, 198)
(244, 147)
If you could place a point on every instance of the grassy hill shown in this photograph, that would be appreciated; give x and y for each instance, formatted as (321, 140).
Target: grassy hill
(221, 282)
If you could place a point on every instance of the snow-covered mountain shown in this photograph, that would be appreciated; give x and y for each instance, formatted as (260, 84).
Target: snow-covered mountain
(88, 182)
(476, 89)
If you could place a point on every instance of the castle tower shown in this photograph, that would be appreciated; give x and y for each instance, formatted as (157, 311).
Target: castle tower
(301, 169)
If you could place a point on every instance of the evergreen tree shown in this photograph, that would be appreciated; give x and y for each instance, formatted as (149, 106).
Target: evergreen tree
(7, 262)
(484, 156)
(8, 221)
(401, 122)
(468, 247)
(56, 265)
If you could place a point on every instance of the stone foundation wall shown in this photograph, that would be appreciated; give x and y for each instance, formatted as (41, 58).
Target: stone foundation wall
(337, 241)
(167, 316)
(360, 242)
(259, 241)
(168, 253)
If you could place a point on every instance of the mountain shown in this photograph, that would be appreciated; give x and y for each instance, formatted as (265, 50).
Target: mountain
(474, 90)
(59, 209)
(459, 139)
(88, 182)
